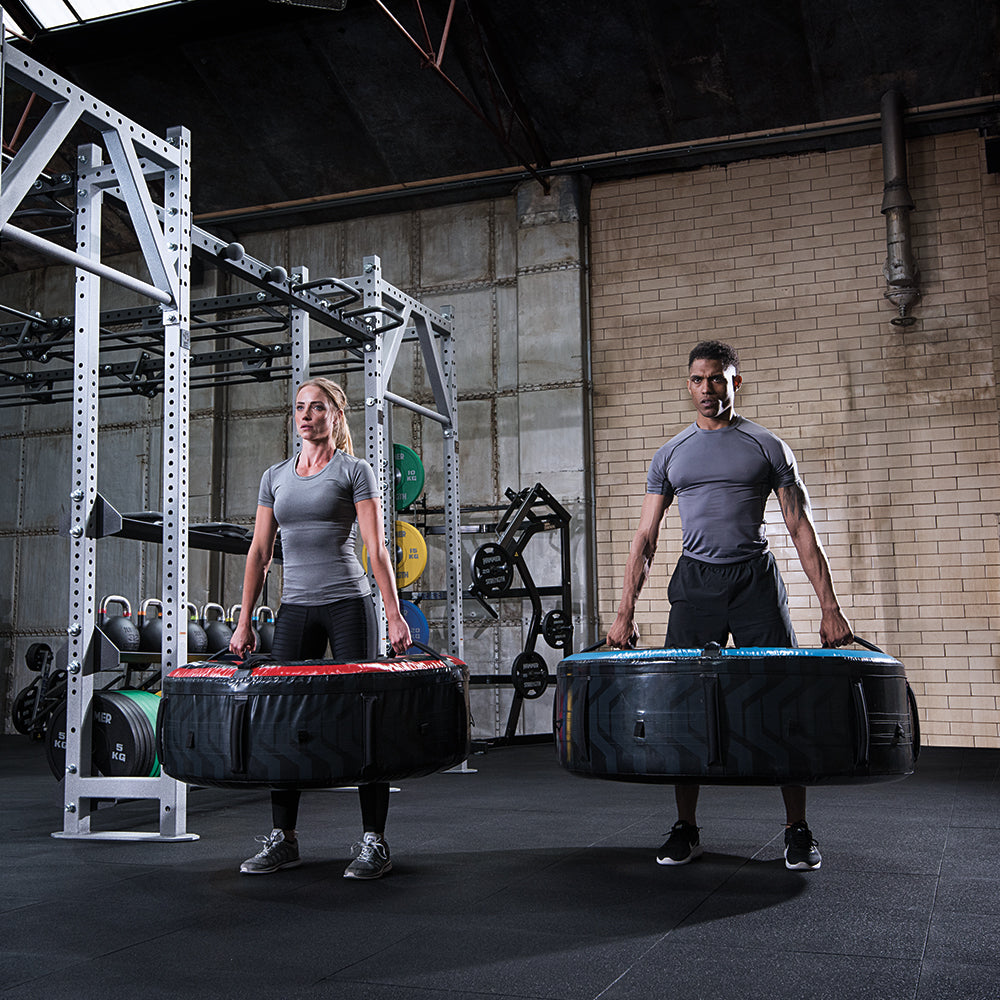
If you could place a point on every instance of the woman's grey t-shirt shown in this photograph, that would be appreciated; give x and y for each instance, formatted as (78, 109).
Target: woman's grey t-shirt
(722, 479)
(318, 527)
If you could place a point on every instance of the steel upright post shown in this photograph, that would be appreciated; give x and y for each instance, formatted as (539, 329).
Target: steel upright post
(299, 332)
(452, 507)
(176, 406)
(376, 450)
(81, 652)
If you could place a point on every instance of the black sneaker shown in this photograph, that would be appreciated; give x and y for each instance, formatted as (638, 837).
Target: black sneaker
(801, 851)
(682, 845)
(277, 853)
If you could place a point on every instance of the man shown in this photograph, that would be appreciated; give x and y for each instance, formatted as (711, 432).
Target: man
(722, 470)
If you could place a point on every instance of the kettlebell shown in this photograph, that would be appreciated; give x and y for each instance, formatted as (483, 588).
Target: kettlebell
(197, 640)
(120, 629)
(216, 630)
(265, 629)
(150, 629)
(234, 617)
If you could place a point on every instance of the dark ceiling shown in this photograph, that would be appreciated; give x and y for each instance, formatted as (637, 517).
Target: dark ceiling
(300, 115)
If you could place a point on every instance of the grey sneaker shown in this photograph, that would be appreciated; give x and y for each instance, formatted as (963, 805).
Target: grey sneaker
(276, 853)
(801, 851)
(371, 858)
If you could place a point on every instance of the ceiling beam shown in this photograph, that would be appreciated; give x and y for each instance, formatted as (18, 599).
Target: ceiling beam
(433, 59)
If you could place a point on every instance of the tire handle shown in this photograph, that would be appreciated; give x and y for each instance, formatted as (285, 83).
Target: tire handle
(427, 649)
(238, 736)
(866, 644)
(911, 701)
(863, 733)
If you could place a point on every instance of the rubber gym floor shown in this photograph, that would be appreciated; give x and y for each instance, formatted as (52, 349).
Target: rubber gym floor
(515, 879)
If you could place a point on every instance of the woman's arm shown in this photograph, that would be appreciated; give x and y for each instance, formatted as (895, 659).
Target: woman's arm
(370, 523)
(265, 529)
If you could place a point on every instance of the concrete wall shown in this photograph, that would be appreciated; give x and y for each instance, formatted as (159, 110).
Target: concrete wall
(511, 269)
(895, 428)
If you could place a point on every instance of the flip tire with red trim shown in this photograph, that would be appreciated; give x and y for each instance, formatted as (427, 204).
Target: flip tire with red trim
(314, 723)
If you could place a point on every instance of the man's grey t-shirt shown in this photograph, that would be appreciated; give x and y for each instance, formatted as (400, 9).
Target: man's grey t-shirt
(318, 527)
(722, 479)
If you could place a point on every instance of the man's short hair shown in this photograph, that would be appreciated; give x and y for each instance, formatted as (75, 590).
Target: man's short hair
(715, 350)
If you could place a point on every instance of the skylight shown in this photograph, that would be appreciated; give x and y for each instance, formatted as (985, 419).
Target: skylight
(29, 16)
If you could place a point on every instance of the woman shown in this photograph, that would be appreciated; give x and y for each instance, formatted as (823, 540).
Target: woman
(319, 498)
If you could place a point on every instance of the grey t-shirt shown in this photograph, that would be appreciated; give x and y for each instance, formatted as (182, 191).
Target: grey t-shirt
(722, 479)
(318, 527)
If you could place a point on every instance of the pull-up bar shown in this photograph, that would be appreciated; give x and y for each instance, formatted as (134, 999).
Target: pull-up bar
(66, 256)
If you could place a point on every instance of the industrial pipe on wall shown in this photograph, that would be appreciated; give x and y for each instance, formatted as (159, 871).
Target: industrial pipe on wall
(900, 270)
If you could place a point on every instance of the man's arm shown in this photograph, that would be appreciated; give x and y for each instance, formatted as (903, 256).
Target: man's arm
(623, 633)
(834, 629)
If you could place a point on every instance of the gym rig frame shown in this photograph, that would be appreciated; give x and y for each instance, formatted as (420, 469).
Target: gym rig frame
(370, 320)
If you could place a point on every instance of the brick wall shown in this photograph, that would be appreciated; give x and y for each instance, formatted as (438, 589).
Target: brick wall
(895, 428)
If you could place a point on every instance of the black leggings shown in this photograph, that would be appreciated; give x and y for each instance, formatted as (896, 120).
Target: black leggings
(301, 632)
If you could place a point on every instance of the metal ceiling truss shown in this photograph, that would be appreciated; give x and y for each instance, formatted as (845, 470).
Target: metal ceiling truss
(507, 107)
(153, 350)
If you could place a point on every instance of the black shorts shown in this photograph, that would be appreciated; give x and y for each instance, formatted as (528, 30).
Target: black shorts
(746, 600)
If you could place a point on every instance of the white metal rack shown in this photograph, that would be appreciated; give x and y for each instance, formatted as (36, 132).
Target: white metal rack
(371, 317)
